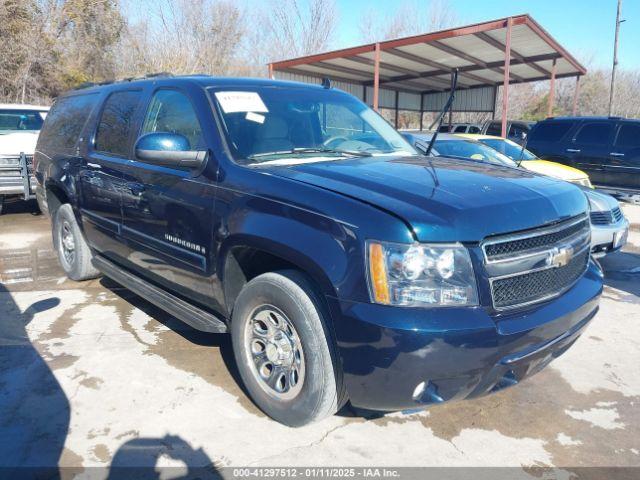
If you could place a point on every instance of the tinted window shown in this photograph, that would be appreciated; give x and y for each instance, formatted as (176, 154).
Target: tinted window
(14, 120)
(594, 133)
(171, 111)
(550, 131)
(518, 131)
(65, 121)
(460, 129)
(474, 129)
(116, 122)
(494, 128)
(628, 135)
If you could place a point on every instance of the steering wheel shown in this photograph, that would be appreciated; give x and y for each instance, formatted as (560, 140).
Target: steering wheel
(330, 140)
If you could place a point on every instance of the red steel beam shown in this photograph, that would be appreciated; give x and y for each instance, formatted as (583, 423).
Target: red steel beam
(537, 28)
(469, 58)
(505, 85)
(500, 46)
(376, 76)
(552, 90)
(438, 66)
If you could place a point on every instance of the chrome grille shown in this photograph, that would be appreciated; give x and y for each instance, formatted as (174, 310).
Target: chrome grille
(496, 250)
(535, 265)
(538, 285)
(606, 218)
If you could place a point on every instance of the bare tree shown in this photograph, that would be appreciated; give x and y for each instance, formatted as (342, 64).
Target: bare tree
(290, 28)
(411, 18)
(183, 36)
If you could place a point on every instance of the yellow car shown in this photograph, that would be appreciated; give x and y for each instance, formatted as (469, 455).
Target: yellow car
(530, 161)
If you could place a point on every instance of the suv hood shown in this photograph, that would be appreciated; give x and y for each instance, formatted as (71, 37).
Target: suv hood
(445, 199)
(13, 143)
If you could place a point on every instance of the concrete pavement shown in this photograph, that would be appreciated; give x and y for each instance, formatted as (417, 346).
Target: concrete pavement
(92, 375)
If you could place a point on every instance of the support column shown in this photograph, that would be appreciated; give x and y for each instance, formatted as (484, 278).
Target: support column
(552, 89)
(421, 109)
(495, 102)
(505, 83)
(397, 107)
(270, 66)
(576, 94)
(376, 76)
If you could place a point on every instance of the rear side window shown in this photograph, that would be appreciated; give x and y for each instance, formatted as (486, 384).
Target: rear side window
(597, 133)
(64, 122)
(171, 111)
(114, 128)
(550, 131)
(628, 136)
(473, 129)
(494, 128)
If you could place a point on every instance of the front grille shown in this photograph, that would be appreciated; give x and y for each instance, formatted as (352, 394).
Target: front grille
(606, 218)
(538, 264)
(539, 285)
(501, 249)
(601, 218)
(617, 214)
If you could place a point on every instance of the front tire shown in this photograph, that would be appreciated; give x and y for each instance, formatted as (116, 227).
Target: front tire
(73, 252)
(284, 349)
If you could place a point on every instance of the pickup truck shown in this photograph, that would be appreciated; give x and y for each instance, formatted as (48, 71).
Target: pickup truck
(345, 266)
(19, 128)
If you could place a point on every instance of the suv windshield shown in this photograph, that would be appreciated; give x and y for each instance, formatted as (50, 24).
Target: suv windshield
(509, 148)
(296, 125)
(471, 150)
(16, 120)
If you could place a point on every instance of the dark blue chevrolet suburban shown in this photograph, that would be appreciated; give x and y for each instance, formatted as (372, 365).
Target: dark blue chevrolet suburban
(345, 266)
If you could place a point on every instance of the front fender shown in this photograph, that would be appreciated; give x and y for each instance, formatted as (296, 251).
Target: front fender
(324, 249)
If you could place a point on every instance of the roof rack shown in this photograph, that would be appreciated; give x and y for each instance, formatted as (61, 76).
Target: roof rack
(127, 79)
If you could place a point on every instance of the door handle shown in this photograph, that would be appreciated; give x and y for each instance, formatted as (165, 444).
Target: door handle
(573, 150)
(616, 154)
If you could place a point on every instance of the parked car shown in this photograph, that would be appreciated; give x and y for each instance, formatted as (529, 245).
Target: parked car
(19, 128)
(345, 266)
(528, 160)
(609, 227)
(607, 148)
(517, 130)
(461, 128)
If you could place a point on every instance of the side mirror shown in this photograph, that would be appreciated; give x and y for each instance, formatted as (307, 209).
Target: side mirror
(168, 149)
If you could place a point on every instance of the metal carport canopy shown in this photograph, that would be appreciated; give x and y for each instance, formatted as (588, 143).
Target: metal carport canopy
(500, 52)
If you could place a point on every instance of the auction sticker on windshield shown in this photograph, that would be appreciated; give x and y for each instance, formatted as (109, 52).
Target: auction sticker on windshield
(241, 102)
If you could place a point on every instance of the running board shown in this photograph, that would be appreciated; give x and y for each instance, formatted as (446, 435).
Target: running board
(189, 314)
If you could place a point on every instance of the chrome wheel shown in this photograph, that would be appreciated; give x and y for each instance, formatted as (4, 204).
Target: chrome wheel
(67, 243)
(274, 352)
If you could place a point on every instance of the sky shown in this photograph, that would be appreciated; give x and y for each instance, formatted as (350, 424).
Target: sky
(584, 27)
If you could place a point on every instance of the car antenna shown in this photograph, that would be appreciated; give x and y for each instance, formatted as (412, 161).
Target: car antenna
(524, 146)
(448, 104)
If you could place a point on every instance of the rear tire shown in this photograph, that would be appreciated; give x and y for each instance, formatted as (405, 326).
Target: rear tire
(284, 349)
(73, 252)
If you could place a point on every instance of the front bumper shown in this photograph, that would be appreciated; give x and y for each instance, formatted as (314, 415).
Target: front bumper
(403, 358)
(608, 238)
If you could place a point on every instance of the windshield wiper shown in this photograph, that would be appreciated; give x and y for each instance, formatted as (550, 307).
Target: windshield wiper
(295, 151)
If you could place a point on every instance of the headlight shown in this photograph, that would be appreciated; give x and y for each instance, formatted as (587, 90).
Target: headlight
(420, 275)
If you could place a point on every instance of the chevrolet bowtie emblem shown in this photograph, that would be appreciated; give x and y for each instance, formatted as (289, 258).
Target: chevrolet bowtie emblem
(560, 256)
